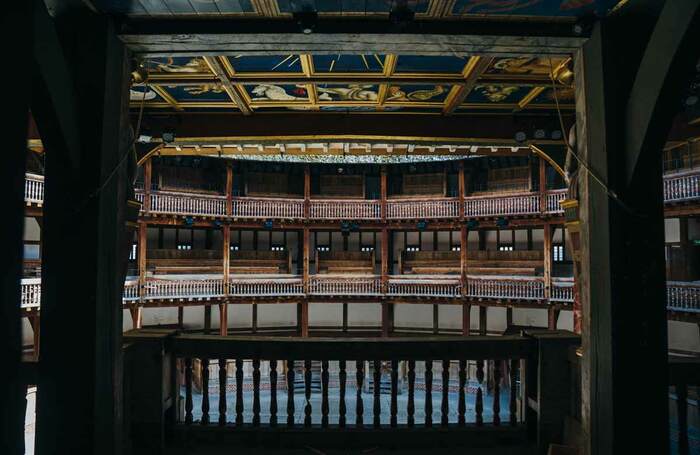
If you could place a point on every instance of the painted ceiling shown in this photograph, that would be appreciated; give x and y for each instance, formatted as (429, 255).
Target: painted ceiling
(358, 83)
(424, 9)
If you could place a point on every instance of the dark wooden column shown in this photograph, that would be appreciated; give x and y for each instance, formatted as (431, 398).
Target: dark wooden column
(383, 191)
(307, 191)
(142, 254)
(16, 28)
(147, 183)
(387, 307)
(462, 190)
(543, 185)
(88, 174)
(303, 306)
(229, 188)
(630, 76)
(547, 256)
(463, 250)
(226, 254)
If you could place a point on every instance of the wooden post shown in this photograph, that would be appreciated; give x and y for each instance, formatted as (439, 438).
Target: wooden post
(383, 192)
(466, 319)
(229, 188)
(303, 318)
(307, 192)
(463, 248)
(385, 260)
(483, 321)
(462, 190)
(305, 260)
(552, 318)
(547, 275)
(226, 254)
(147, 172)
(543, 185)
(142, 265)
(387, 318)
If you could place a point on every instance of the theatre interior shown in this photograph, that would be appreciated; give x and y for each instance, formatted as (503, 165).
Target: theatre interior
(351, 227)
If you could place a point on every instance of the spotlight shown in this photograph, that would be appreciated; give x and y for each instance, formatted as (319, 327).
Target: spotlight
(144, 139)
(691, 100)
(421, 225)
(502, 222)
(267, 224)
(539, 133)
(555, 135)
(583, 26)
(520, 137)
(216, 223)
(345, 226)
(168, 137)
(306, 20)
(189, 221)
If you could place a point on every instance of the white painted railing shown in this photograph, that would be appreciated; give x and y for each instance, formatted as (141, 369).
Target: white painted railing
(682, 186)
(501, 287)
(553, 198)
(501, 205)
(131, 290)
(424, 286)
(343, 209)
(183, 288)
(408, 209)
(34, 189)
(683, 297)
(562, 291)
(265, 286)
(31, 293)
(344, 285)
(187, 204)
(248, 207)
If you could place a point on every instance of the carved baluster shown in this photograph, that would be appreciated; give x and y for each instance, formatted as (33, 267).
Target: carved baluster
(290, 393)
(188, 391)
(256, 392)
(273, 393)
(428, 393)
(222, 391)
(410, 407)
(204, 364)
(479, 406)
(513, 392)
(360, 377)
(445, 405)
(342, 377)
(496, 392)
(307, 393)
(324, 393)
(239, 391)
(394, 391)
(462, 405)
(377, 408)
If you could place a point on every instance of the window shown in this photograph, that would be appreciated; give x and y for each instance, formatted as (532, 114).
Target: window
(234, 247)
(367, 248)
(132, 253)
(184, 246)
(558, 253)
(323, 248)
(413, 248)
(277, 248)
(505, 248)
(456, 248)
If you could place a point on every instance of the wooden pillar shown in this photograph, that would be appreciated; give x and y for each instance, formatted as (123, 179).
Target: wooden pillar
(142, 254)
(387, 318)
(383, 192)
(34, 321)
(461, 189)
(303, 318)
(226, 254)
(483, 321)
(543, 185)
(207, 319)
(307, 191)
(84, 251)
(463, 257)
(509, 317)
(180, 317)
(466, 319)
(547, 275)
(305, 259)
(229, 188)
(385, 259)
(147, 183)
(436, 318)
(552, 318)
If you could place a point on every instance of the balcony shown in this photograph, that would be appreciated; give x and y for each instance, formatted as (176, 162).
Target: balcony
(404, 392)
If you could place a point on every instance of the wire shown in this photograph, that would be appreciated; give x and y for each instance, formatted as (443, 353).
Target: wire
(611, 193)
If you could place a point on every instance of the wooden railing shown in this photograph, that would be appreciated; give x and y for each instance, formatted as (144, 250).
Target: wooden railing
(332, 285)
(562, 290)
(505, 287)
(183, 288)
(503, 204)
(411, 209)
(31, 293)
(271, 286)
(193, 375)
(276, 208)
(424, 286)
(684, 297)
(34, 189)
(188, 204)
(131, 291)
(343, 209)
(553, 198)
(682, 186)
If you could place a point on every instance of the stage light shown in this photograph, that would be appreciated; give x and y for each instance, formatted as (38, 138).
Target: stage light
(168, 137)
(520, 136)
(267, 224)
(472, 224)
(345, 226)
(144, 139)
(555, 135)
(539, 133)
(422, 225)
(306, 20)
(501, 222)
(189, 221)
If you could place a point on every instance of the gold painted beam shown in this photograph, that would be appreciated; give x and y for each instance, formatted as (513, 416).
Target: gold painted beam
(172, 102)
(534, 93)
(218, 70)
(474, 68)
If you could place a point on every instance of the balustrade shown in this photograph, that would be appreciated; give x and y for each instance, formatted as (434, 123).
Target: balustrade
(247, 207)
(187, 204)
(411, 209)
(511, 287)
(183, 288)
(683, 297)
(510, 204)
(344, 285)
(682, 186)
(34, 189)
(31, 293)
(343, 209)
(562, 291)
(424, 286)
(263, 287)
(553, 198)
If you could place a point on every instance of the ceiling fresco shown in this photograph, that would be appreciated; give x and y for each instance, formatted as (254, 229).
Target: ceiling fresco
(357, 83)
(423, 9)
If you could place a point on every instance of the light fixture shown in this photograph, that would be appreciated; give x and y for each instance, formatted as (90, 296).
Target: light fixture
(422, 225)
(144, 139)
(168, 137)
(472, 224)
(502, 222)
(306, 19)
(267, 224)
(539, 133)
(189, 221)
(555, 135)
(520, 137)
(692, 100)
